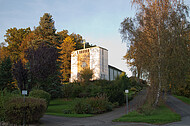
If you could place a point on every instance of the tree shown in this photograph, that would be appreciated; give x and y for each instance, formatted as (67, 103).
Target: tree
(66, 48)
(42, 61)
(43, 68)
(78, 40)
(158, 34)
(14, 38)
(3, 51)
(85, 75)
(45, 32)
(6, 77)
(20, 74)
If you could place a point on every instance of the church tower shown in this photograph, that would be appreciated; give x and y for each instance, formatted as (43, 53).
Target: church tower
(95, 58)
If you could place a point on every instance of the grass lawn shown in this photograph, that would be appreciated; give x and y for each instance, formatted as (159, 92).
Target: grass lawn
(63, 107)
(161, 115)
(182, 98)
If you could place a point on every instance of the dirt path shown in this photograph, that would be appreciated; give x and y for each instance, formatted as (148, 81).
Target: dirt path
(99, 120)
(181, 108)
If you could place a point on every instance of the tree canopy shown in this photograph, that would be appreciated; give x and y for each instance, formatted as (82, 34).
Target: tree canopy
(159, 42)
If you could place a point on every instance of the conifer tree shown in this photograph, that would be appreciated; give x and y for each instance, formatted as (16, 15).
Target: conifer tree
(45, 32)
(6, 77)
(66, 48)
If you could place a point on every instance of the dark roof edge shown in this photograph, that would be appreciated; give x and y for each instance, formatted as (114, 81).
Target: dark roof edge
(115, 68)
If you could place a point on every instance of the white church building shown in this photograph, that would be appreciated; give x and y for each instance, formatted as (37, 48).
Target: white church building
(95, 58)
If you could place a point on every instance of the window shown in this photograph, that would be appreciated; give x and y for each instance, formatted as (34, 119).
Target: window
(102, 60)
(102, 76)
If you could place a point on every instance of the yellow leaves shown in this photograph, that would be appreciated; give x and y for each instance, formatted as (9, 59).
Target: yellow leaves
(3, 52)
(67, 46)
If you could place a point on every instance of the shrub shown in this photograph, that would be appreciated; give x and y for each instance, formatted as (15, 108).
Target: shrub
(41, 94)
(93, 105)
(93, 90)
(99, 104)
(33, 109)
(4, 97)
(76, 90)
(82, 107)
(67, 90)
(114, 93)
(86, 74)
(72, 90)
(183, 90)
(101, 83)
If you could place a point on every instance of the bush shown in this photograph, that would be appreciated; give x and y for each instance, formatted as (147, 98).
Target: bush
(93, 105)
(85, 75)
(33, 109)
(67, 90)
(71, 90)
(99, 104)
(41, 94)
(76, 90)
(5, 96)
(114, 93)
(82, 107)
(93, 90)
(183, 90)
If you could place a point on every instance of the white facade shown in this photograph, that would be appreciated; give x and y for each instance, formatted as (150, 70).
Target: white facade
(96, 58)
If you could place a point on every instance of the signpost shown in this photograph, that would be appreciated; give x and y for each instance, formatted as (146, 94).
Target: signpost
(127, 91)
(24, 92)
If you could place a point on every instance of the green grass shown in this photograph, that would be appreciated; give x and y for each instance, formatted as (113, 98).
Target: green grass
(161, 115)
(184, 99)
(59, 107)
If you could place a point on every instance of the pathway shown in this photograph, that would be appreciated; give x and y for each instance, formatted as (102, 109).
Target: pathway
(106, 118)
(181, 108)
(99, 120)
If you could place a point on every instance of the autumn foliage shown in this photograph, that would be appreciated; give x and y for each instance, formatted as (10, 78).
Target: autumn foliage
(41, 57)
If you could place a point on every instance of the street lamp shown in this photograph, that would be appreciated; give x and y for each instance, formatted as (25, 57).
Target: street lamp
(127, 91)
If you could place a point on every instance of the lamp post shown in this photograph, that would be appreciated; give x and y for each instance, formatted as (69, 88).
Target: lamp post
(24, 92)
(127, 91)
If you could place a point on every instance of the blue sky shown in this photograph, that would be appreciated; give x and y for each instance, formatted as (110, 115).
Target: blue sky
(98, 21)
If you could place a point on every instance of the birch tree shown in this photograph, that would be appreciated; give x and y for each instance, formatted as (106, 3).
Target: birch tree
(159, 43)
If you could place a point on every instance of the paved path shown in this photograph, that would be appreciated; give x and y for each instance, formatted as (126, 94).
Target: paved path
(99, 120)
(181, 108)
(106, 118)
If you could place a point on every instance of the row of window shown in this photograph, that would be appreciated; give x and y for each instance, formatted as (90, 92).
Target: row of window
(113, 74)
(83, 51)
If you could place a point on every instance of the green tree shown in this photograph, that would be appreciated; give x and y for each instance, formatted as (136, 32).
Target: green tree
(45, 32)
(159, 43)
(6, 77)
(85, 75)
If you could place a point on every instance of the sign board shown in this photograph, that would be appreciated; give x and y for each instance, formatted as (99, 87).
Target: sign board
(24, 92)
(126, 91)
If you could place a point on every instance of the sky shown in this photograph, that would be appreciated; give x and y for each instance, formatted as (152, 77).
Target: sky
(97, 21)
